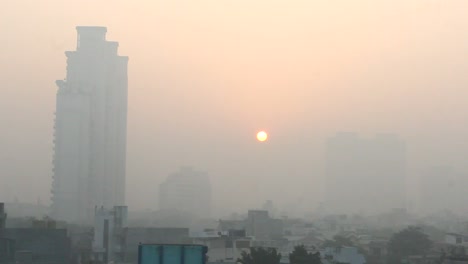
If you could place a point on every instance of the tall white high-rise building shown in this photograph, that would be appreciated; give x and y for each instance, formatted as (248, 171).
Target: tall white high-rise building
(187, 190)
(90, 129)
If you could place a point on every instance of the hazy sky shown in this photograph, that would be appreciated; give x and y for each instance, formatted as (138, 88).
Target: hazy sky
(205, 75)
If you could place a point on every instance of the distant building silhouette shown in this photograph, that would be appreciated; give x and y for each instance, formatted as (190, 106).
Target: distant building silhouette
(365, 175)
(443, 188)
(260, 226)
(187, 190)
(270, 207)
(90, 129)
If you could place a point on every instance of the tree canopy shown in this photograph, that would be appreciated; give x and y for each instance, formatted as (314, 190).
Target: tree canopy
(260, 256)
(301, 256)
(407, 242)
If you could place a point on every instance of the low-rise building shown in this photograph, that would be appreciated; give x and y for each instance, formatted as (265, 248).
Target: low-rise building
(225, 246)
(376, 251)
(260, 226)
(147, 235)
(42, 245)
(455, 239)
(109, 234)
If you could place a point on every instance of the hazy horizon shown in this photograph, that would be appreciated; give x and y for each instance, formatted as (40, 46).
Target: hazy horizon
(205, 76)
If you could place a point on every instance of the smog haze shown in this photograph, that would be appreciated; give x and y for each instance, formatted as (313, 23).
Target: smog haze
(205, 76)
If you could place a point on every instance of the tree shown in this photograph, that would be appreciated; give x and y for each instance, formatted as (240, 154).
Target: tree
(301, 256)
(260, 256)
(407, 242)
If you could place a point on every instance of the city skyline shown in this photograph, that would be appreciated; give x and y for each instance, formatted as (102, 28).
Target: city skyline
(233, 132)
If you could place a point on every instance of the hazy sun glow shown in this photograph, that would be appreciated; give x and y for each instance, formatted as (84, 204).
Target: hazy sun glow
(262, 136)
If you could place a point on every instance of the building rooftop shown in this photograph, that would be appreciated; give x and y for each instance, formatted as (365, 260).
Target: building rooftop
(91, 29)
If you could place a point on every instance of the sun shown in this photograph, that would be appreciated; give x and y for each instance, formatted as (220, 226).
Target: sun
(262, 136)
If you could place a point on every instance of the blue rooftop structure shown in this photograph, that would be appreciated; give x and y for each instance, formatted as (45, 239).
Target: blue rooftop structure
(171, 254)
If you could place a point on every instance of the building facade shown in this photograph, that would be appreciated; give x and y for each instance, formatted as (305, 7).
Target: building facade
(365, 175)
(109, 234)
(3, 217)
(90, 129)
(260, 226)
(187, 190)
(40, 245)
(150, 235)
